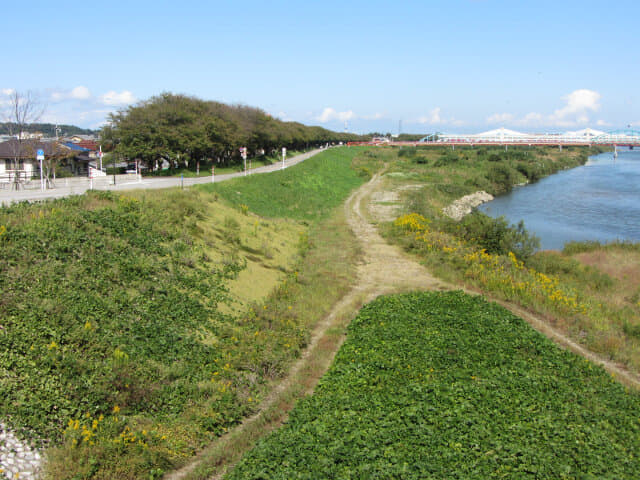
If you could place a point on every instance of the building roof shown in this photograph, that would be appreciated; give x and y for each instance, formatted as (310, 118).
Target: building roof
(76, 147)
(88, 144)
(28, 148)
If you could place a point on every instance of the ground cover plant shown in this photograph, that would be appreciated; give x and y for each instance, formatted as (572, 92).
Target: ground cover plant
(138, 327)
(447, 385)
(113, 341)
(582, 299)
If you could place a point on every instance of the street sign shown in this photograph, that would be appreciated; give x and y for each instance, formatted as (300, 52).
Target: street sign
(40, 154)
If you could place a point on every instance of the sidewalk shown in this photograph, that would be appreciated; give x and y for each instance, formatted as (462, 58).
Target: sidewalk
(79, 185)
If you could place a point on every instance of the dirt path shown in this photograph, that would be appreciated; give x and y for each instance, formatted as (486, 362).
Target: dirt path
(385, 269)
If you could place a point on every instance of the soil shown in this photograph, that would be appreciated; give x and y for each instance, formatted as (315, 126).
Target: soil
(384, 269)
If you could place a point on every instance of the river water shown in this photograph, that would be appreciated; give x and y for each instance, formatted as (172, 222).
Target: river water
(597, 201)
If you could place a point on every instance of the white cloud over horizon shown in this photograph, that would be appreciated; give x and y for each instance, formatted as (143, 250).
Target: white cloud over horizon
(114, 98)
(77, 105)
(579, 104)
(434, 117)
(329, 114)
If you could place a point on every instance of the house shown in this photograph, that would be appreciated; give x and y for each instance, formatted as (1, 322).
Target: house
(80, 138)
(18, 158)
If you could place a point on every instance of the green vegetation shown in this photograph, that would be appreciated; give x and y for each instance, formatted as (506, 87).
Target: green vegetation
(310, 191)
(183, 130)
(48, 129)
(446, 385)
(139, 327)
(453, 173)
(580, 293)
(255, 162)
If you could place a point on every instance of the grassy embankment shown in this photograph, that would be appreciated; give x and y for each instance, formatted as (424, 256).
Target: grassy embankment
(588, 291)
(136, 328)
(205, 171)
(447, 385)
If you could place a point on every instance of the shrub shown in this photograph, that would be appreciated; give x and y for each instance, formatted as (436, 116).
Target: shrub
(496, 236)
(503, 177)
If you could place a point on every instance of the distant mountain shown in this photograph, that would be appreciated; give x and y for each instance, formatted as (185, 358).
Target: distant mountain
(49, 129)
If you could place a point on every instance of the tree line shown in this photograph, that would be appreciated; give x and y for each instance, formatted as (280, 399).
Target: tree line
(47, 129)
(183, 129)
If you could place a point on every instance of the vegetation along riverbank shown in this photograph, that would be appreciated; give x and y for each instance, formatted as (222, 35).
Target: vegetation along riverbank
(141, 327)
(583, 291)
(138, 327)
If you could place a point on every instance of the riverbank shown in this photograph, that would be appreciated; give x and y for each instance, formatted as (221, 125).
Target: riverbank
(593, 202)
(465, 205)
(580, 293)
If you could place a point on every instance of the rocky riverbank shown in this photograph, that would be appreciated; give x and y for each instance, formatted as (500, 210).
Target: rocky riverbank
(463, 206)
(17, 458)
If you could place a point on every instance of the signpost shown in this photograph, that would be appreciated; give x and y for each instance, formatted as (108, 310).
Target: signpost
(243, 152)
(40, 158)
(284, 154)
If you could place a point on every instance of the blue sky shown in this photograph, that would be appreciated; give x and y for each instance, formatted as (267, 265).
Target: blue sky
(449, 66)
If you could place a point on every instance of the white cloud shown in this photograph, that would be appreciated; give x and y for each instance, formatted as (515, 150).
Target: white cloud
(500, 118)
(7, 91)
(533, 117)
(432, 117)
(77, 93)
(578, 105)
(80, 93)
(375, 116)
(329, 114)
(114, 98)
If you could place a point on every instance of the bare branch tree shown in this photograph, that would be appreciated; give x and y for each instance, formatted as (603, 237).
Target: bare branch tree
(24, 109)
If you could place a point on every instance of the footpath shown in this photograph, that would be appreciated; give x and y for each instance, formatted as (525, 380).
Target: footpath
(79, 185)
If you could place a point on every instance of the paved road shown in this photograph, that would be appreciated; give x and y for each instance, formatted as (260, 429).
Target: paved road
(8, 197)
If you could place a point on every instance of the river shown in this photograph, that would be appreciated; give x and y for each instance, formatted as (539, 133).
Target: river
(597, 201)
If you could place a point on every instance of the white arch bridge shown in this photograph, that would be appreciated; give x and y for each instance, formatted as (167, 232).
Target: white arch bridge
(503, 136)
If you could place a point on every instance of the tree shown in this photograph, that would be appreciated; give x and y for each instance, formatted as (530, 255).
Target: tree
(23, 109)
(184, 128)
(54, 155)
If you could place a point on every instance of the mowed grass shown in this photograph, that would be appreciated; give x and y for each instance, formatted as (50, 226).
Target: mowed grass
(447, 385)
(310, 191)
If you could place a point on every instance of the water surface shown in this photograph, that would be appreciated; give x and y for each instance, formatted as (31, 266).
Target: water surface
(597, 201)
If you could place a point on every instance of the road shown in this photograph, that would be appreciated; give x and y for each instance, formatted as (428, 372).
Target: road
(8, 197)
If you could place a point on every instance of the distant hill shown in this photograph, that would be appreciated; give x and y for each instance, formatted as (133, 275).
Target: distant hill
(49, 129)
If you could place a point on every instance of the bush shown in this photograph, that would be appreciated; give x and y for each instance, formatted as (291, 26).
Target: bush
(496, 236)
(502, 177)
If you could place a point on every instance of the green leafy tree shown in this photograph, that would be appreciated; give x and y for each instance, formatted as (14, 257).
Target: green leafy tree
(184, 129)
